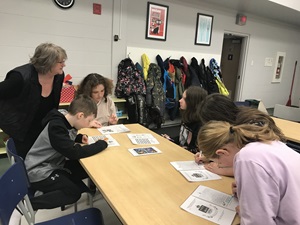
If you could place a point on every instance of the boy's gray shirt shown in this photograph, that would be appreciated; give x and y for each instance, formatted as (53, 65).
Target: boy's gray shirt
(54, 145)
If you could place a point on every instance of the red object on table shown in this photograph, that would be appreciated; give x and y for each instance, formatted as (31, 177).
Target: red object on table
(67, 94)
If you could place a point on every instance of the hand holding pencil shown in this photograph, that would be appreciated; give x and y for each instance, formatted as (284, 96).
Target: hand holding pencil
(199, 158)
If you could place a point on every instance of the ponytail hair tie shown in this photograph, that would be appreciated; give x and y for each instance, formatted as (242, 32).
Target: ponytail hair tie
(231, 130)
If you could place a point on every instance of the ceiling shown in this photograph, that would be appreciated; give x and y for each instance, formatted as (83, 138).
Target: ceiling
(263, 8)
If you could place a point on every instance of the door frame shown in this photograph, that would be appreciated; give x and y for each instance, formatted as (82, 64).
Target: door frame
(242, 62)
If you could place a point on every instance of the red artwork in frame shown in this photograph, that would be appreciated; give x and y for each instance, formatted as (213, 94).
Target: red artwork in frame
(157, 21)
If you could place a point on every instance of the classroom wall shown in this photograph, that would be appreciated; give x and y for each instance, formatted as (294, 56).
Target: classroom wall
(266, 39)
(88, 39)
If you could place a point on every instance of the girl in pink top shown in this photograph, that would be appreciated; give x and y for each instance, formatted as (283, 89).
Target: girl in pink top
(266, 171)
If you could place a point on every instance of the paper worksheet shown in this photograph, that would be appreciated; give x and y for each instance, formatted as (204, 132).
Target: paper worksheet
(210, 204)
(108, 138)
(114, 129)
(139, 151)
(142, 139)
(194, 172)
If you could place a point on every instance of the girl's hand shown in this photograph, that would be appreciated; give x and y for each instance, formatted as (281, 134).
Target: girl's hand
(85, 139)
(214, 168)
(165, 136)
(113, 119)
(199, 158)
(95, 124)
(237, 209)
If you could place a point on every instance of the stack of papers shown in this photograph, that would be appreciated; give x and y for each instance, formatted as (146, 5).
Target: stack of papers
(109, 139)
(142, 139)
(211, 205)
(194, 172)
(114, 129)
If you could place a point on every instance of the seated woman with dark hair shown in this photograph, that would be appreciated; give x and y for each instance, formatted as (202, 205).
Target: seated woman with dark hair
(221, 108)
(191, 123)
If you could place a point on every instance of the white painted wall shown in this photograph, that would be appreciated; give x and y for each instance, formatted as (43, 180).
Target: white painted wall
(266, 38)
(86, 37)
(88, 41)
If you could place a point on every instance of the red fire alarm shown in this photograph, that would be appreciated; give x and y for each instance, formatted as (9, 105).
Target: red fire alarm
(97, 8)
(241, 19)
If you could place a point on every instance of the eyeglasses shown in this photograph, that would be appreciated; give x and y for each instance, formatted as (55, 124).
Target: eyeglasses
(62, 62)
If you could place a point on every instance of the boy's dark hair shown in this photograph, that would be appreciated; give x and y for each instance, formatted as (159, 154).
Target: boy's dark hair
(83, 103)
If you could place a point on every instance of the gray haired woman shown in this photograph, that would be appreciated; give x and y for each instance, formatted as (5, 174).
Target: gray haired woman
(29, 92)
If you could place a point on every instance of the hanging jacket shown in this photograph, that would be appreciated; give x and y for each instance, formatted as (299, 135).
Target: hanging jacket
(155, 96)
(129, 80)
(145, 63)
(191, 76)
(212, 86)
(160, 63)
(214, 67)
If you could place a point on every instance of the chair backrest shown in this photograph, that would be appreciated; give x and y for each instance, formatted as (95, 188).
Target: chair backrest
(14, 188)
(287, 112)
(12, 152)
(14, 157)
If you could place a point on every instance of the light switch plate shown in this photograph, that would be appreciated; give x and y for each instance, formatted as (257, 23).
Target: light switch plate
(268, 61)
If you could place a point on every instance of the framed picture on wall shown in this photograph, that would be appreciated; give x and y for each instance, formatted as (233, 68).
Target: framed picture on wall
(203, 29)
(157, 21)
(279, 65)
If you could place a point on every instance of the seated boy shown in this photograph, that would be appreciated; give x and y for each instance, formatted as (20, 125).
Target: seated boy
(46, 164)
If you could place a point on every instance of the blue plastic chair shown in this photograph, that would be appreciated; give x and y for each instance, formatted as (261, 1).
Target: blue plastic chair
(14, 157)
(14, 190)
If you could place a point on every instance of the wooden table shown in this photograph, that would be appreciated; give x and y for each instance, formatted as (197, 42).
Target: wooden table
(289, 128)
(146, 190)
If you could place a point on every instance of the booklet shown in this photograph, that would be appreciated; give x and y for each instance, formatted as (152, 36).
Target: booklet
(144, 151)
(194, 172)
(114, 129)
(109, 139)
(142, 139)
(211, 205)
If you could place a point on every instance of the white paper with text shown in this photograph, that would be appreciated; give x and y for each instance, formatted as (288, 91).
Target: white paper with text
(113, 129)
(194, 172)
(199, 175)
(139, 151)
(108, 138)
(212, 205)
(142, 139)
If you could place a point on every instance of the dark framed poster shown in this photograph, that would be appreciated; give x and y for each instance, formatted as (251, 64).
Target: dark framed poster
(203, 29)
(157, 21)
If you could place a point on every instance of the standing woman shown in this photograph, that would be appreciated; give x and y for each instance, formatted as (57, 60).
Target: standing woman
(266, 170)
(29, 92)
(99, 88)
(190, 120)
